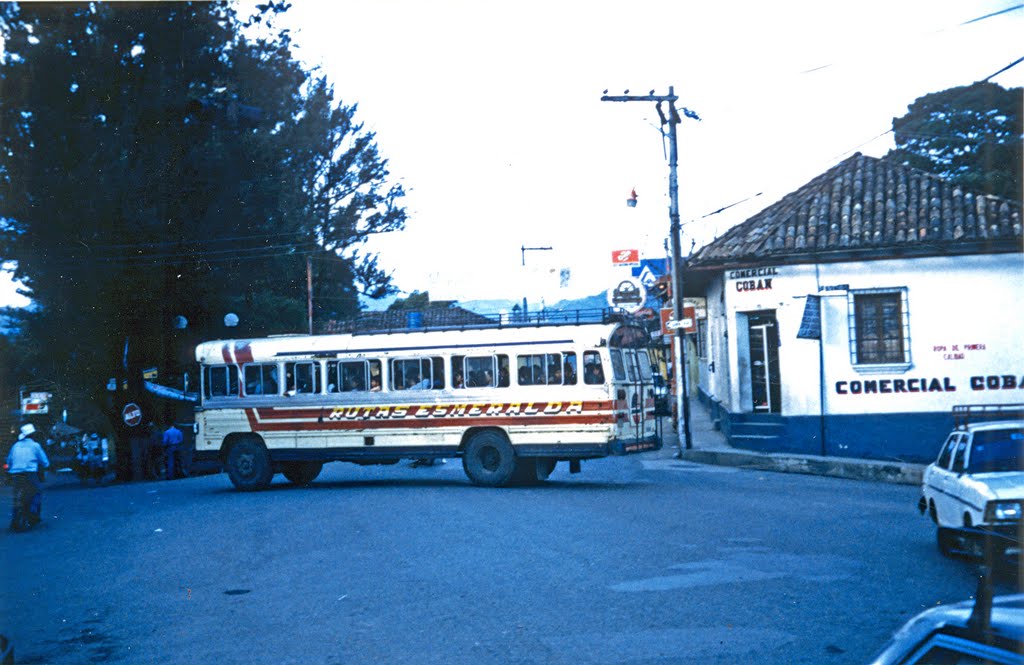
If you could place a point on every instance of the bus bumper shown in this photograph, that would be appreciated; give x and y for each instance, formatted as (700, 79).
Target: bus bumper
(632, 446)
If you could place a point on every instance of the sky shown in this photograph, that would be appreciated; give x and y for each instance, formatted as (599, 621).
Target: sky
(489, 114)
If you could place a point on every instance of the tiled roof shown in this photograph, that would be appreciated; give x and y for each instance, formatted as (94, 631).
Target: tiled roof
(436, 315)
(869, 208)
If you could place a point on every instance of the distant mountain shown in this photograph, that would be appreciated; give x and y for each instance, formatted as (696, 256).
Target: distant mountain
(598, 301)
(490, 306)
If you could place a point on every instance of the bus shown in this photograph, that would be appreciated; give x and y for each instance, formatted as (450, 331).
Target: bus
(509, 401)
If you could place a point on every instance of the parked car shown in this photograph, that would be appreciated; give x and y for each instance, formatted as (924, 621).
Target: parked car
(974, 491)
(984, 630)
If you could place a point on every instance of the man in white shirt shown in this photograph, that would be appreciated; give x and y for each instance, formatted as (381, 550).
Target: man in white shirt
(27, 463)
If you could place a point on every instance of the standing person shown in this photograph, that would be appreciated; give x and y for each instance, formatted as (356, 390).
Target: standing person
(27, 464)
(173, 439)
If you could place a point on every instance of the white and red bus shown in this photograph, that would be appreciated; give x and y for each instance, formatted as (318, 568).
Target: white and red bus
(511, 402)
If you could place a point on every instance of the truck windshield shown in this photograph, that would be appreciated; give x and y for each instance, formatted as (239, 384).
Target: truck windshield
(997, 450)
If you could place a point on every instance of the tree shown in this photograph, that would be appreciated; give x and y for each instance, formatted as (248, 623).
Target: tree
(156, 162)
(971, 135)
(415, 301)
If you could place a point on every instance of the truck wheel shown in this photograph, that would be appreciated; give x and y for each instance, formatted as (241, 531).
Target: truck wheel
(248, 465)
(302, 473)
(489, 459)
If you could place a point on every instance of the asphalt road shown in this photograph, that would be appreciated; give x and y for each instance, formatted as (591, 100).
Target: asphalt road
(636, 560)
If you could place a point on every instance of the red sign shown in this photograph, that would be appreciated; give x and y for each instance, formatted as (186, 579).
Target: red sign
(689, 322)
(626, 257)
(131, 414)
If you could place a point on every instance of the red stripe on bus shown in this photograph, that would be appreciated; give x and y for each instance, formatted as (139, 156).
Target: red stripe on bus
(425, 411)
(243, 353)
(333, 425)
(226, 352)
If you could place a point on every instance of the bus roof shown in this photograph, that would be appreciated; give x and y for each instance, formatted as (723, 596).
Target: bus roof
(283, 346)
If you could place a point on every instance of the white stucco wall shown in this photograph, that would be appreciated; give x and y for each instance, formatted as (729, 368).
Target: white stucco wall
(966, 314)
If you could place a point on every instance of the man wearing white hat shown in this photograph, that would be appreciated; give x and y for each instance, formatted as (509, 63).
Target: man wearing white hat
(26, 463)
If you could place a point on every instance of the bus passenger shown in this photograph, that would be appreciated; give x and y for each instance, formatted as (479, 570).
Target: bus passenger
(594, 375)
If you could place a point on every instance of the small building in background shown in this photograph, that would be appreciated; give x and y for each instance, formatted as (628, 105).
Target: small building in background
(848, 318)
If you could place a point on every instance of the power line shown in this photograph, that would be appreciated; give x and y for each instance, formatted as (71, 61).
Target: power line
(1001, 11)
(959, 25)
(1009, 66)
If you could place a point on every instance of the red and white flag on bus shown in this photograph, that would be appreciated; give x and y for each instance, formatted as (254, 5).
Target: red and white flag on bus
(626, 257)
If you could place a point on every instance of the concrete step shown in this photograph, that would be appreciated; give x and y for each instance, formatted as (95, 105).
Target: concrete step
(759, 442)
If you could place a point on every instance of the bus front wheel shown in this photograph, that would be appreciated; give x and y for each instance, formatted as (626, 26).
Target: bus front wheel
(489, 459)
(248, 465)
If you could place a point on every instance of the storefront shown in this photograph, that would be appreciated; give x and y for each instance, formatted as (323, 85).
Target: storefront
(830, 346)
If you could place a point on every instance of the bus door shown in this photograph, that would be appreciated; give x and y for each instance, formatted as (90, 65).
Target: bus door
(634, 387)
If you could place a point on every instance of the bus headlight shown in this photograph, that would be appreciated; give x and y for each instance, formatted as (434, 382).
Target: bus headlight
(1003, 511)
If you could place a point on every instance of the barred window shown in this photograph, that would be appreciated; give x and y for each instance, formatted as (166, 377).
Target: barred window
(261, 379)
(702, 338)
(302, 378)
(353, 375)
(417, 374)
(879, 327)
(221, 381)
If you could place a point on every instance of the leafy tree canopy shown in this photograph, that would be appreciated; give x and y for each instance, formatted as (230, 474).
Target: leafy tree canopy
(160, 160)
(415, 301)
(971, 135)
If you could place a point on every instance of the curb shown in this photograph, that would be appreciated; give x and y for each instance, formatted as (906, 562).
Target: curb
(837, 467)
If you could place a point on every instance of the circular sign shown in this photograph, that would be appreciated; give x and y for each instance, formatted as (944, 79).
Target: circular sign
(628, 295)
(131, 414)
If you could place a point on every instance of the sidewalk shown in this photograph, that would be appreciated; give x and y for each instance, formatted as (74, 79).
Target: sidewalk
(711, 447)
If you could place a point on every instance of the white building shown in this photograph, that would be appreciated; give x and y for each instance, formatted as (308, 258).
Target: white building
(851, 316)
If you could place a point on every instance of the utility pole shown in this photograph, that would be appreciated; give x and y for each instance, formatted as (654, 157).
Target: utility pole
(309, 292)
(679, 347)
(526, 249)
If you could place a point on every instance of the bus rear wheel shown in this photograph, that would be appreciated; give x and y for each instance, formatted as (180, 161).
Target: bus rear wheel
(489, 459)
(302, 473)
(248, 465)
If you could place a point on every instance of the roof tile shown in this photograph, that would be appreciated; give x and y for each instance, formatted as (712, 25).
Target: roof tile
(867, 207)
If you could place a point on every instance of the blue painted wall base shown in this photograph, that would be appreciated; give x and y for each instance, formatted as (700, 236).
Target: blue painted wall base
(904, 437)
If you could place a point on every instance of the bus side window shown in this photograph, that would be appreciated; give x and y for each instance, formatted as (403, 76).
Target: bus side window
(222, 381)
(503, 375)
(375, 382)
(417, 374)
(436, 373)
(593, 372)
(302, 378)
(569, 368)
(554, 369)
(479, 371)
(458, 372)
(618, 368)
(353, 376)
(333, 376)
(260, 379)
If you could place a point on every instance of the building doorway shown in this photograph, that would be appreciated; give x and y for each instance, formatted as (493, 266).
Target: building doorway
(765, 379)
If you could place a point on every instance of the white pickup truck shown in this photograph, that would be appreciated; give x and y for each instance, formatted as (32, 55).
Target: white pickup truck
(974, 491)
